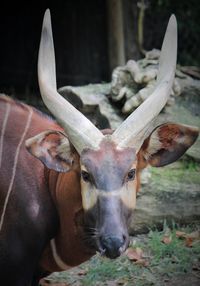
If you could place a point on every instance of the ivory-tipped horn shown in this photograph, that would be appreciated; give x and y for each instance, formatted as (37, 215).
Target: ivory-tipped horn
(132, 131)
(81, 132)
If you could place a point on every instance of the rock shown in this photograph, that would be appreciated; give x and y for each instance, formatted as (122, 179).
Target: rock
(93, 102)
(138, 79)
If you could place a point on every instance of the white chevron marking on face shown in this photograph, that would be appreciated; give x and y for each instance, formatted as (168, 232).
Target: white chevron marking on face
(90, 194)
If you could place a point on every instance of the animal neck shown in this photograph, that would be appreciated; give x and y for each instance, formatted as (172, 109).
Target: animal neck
(67, 248)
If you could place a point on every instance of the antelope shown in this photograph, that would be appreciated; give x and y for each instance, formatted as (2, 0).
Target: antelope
(68, 189)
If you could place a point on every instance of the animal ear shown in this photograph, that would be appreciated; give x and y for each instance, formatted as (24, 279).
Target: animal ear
(167, 143)
(53, 149)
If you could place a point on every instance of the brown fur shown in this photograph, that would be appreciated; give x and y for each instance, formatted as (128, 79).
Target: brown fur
(31, 187)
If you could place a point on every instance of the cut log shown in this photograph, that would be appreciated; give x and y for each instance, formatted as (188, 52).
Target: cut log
(92, 100)
(172, 194)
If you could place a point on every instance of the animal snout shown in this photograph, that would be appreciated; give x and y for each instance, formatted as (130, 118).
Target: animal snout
(113, 246)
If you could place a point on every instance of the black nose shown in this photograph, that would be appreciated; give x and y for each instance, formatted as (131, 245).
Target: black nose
(112, 245)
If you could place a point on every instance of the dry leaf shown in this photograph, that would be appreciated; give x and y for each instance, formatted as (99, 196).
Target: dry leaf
(189, 241)
(134, 254)
(167, 236)
(82, 272)
(195, 235)
(142, 262)
(166, 239)
(181, 234)
(190, 238)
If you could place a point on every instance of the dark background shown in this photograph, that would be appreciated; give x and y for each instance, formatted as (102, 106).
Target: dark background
(81, 35)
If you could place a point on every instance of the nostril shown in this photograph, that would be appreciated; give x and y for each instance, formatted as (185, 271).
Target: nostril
(112, 246)
(124, 238)
(109, 241)
(105, 242)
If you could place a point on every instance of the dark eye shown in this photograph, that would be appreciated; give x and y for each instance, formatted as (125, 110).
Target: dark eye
(131, 175)
(86, 176)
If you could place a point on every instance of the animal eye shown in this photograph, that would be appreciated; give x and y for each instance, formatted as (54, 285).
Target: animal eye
(86, 176)
(131, 175)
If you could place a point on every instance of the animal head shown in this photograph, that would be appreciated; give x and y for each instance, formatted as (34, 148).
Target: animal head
(109, 162)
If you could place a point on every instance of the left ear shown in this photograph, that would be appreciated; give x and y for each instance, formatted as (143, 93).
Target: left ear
(167, 143)
(53, 149)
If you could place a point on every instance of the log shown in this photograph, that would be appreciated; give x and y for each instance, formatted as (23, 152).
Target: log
(172, 194)
(92, 100)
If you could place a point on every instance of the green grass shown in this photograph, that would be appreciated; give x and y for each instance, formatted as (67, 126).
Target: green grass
(101, 271)
(165, 262)
(189, 173)
(171, 258)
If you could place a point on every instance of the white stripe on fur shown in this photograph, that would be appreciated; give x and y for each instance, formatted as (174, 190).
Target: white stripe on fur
(3, 130)
(15, 166)
(60, 263)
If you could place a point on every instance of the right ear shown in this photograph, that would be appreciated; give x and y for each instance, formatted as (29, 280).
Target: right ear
(53, 149)
(167, 143)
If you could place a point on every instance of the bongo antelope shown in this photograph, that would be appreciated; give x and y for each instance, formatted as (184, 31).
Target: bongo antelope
(73, 193)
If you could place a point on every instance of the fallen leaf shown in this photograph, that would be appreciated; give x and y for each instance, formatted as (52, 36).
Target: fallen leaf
(134, 254)
(191, 238)
(167, 236)
(82, 272)
(166, 239)
(181, 234)
(142, 262)
(194, 235)
(189, 241)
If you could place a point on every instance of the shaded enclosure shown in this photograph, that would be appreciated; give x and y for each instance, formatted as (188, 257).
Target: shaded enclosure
(187, 14)
(91, 38)
(79, 30)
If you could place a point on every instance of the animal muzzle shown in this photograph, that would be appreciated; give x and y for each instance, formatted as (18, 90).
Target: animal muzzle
(113, 246)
